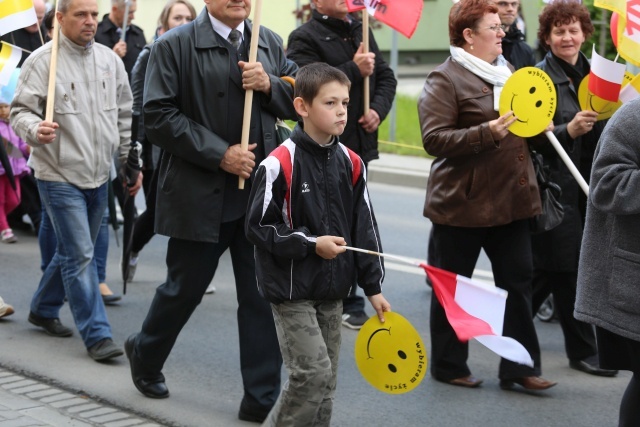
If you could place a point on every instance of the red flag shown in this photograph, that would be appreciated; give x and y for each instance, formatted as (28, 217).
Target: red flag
(475, 310)
(401, 15)
(605, 78)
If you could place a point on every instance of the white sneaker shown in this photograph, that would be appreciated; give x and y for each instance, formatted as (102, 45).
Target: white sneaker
(8, 236)
(210, 289)
(5, 309)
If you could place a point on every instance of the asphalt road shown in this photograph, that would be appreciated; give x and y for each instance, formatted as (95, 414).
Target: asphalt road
(203, 370)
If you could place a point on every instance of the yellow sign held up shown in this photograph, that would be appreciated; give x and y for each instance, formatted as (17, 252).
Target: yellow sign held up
(531, 95)
(591, 102)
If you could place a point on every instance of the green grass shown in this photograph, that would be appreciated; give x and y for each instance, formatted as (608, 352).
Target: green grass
(408, 140)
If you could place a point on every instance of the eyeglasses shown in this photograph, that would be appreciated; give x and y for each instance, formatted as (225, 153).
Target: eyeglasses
(513, 4)
(498, 28)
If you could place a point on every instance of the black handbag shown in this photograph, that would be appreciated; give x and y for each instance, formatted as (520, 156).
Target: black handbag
(550, 192)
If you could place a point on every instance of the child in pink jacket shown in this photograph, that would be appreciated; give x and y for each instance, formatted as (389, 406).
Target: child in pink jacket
(16, 152)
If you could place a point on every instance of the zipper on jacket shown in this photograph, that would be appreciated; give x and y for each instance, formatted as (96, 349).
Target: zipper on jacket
(327, 216)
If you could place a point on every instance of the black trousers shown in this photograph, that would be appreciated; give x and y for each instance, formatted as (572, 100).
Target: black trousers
(579, 337)
(190, 268)
(143, 231)
(508, 247)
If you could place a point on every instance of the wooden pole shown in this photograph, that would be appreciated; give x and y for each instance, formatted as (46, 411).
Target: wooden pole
(365, 45)
(248, 98)
(53, 66)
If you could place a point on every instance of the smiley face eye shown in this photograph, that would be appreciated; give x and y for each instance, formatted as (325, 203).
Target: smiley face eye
(392, 368)
(538, 104)
(532, 90)
(402, 354)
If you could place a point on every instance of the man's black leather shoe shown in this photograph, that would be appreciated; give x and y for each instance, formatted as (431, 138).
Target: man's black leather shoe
(104, 350)
(252, 411)
(593, 369)
(155, 387)
(51, 326)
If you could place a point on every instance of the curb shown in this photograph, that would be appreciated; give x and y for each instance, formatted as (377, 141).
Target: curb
(26, 401)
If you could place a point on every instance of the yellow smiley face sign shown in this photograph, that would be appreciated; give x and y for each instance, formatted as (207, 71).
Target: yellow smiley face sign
(530, 94)
(591, 102)
(391, 355)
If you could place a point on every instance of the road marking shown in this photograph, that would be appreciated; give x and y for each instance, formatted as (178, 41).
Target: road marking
(480, 275)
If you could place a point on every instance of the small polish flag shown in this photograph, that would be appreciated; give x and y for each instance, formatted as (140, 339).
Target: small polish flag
(476, 310)
(606, 77)
(631, 90)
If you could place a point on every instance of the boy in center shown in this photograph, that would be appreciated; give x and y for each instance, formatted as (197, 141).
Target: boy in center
(309, 199)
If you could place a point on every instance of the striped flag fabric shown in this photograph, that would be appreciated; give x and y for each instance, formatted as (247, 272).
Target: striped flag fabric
(10, 56)
(631, 90)
(16, 14)
(628, 31)
(401, 15)
(605, 78)
(476, 310)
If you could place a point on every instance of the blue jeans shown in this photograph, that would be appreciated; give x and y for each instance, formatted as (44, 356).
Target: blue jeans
(48, 242)
(102, 248)
(76, 216)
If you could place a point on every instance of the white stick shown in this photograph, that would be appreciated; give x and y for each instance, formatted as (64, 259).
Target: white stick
(567, 161)
(248, 97)
(406, 260)
(125, 22)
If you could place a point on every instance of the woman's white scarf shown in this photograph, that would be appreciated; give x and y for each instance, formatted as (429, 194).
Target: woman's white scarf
(497, 74)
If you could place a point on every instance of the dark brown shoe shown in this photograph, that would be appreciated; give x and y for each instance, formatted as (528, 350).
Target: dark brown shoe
(469, 381)
(528, 383)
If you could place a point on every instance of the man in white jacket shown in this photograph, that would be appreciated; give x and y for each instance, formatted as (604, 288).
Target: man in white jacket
(71, 158)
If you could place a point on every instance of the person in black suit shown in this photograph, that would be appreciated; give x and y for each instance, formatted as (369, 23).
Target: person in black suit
(193, 107)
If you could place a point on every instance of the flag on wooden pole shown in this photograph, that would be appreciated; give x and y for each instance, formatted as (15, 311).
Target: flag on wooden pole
(16, 14)
(401, 15)
(10, 56)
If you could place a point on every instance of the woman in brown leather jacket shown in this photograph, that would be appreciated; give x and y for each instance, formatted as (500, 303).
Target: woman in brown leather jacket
(481, 192)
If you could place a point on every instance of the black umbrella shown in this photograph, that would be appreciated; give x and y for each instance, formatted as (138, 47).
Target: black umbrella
(4, 160)
(132, 171)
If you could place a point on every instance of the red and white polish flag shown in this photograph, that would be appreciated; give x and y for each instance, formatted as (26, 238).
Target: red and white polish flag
(476, 310)
(401, 15)
(605, 78)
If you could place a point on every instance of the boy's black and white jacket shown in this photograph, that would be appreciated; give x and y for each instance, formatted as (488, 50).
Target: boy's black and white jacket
(302, 191)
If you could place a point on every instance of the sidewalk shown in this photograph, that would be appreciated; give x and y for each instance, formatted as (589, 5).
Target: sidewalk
(26, 402)
(406, 171)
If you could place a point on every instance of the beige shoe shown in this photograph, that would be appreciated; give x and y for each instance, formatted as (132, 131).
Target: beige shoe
(5, 309)
(108, 297)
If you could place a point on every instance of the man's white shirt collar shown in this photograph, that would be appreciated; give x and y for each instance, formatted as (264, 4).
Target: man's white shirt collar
(225, 30)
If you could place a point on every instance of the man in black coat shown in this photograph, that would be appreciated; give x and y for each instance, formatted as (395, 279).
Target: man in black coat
(335, 37)
(110, 31)
(514, 46)
(193, 109)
